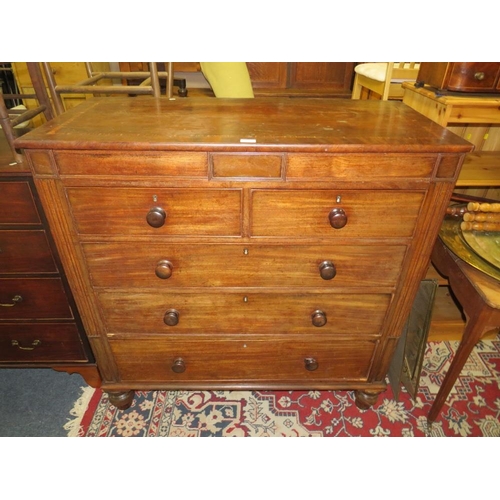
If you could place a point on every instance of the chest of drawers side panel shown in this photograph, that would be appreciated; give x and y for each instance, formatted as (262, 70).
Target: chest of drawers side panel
(57, 211)
(417, 263)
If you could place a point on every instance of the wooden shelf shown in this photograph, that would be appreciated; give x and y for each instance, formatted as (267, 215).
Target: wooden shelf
(481, 169)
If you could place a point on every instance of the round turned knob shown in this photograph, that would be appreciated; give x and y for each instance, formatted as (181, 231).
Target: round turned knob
(156, 217)
(327, 270)
(479, 75)
(171, 317)
(164, 269)
(337, 218)
(179, 366)
(311, 364)
(318, 318)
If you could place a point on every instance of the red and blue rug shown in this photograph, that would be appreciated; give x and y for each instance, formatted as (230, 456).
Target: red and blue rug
(472, 409)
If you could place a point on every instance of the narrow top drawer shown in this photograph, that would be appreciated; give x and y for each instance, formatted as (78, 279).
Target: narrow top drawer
(143, 163)
(359, 166)
(17, 205)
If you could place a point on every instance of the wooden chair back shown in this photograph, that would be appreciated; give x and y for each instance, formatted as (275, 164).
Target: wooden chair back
(388, 81)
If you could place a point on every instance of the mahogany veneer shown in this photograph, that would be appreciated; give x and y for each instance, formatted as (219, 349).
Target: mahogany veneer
(39, 322)
(260, 243)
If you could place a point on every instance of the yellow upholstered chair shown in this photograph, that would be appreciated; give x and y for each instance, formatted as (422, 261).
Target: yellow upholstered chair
(383, 78)
(228, 79)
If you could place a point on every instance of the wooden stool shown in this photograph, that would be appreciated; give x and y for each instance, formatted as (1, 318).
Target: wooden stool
(479, 296)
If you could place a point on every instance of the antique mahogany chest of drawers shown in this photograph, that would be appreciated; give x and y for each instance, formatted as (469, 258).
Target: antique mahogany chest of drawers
(236, 244)
(39, 321)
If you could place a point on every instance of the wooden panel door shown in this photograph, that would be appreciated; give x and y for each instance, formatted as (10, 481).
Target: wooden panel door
(321, 75)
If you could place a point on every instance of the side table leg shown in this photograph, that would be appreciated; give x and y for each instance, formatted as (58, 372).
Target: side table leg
(474, 330)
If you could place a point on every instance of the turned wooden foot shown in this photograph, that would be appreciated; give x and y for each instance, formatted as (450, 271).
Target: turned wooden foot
(365, 399)
(122, 400)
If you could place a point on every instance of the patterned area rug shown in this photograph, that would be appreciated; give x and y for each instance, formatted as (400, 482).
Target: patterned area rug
(472, 409)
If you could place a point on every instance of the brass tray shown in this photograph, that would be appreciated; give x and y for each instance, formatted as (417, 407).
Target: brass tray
(480, 249)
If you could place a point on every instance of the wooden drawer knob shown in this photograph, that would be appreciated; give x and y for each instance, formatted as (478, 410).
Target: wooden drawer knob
(156, 217)
(327, 270)
(164, 269)
(311, 364)
(171, 317)
(479, 76)
(179, 366)
(318, 318)
(337, 218)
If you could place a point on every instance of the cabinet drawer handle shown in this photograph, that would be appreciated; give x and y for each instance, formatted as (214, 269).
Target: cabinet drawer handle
(311, 364)
(171, 317)
(318, 318)
(179, 366)
(479, 75)
(164, 269)
(156, 217)
(327, 270)
(35, 343)
(337, 218)
(15, 300)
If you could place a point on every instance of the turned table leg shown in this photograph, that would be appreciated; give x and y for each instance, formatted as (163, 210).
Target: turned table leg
(364, 400)
(122, 400)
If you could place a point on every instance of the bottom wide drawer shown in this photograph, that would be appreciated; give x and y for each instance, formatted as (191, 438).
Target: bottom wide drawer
(242, 360)
(40, 343)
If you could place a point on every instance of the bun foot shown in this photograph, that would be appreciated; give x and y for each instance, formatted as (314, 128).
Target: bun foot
(122, 400)
(365, 399)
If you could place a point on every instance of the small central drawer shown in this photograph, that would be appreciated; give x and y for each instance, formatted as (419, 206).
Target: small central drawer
(246, 166)
(137, 211)
(33, 298)
(17, 205)
(246, 359)
(174, 312)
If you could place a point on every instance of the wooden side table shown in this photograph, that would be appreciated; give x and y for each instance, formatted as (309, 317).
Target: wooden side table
(479, 117)
(479, 295)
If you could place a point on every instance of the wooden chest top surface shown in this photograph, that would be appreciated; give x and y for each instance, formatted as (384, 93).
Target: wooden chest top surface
(265, 124)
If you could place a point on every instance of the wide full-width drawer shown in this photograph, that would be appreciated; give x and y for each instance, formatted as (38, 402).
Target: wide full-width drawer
(132, 163)
(174, 312)
(17, 205)
(331, 214)
(137, 211)
(359, 166)
(140, 265)
(33, 298)
(40, 343)
(25, 252)
(242, 360)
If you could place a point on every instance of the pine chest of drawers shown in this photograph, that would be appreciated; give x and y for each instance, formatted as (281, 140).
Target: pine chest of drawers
(237, 244)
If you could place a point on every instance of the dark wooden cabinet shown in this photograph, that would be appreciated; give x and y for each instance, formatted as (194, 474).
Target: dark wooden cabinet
(461, 76)
(324, 79)
(39, 321)
(302, 78)
(267, 243)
